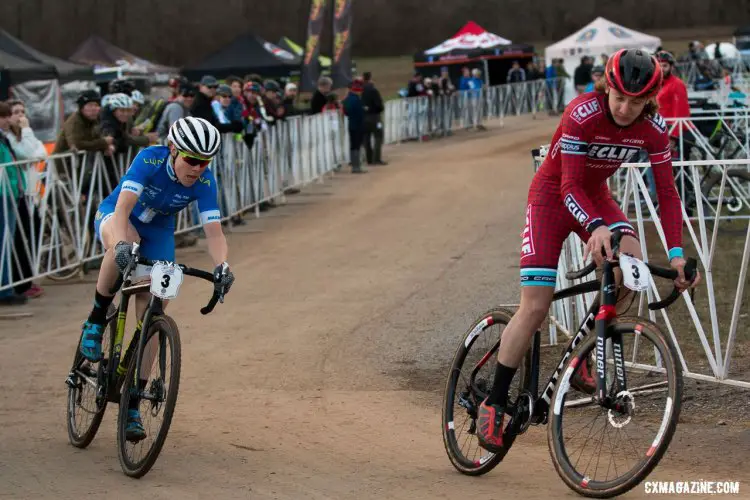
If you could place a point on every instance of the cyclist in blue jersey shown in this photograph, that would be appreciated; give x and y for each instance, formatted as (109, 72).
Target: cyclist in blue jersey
(161, 181)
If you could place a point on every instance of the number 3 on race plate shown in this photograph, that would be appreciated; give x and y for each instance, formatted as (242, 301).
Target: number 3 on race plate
(635, 273)
(165, 280)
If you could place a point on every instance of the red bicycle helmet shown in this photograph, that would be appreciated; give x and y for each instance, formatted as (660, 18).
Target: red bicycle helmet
(634, 72)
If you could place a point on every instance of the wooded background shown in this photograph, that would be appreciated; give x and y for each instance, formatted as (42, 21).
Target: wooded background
(181, 32)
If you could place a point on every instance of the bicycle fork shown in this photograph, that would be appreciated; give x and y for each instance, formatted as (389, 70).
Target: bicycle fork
(607, 313)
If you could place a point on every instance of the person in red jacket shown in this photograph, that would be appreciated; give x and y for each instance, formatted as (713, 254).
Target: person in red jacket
(673, 98)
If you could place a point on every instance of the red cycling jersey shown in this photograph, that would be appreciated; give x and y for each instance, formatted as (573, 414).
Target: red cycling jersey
(586, 149)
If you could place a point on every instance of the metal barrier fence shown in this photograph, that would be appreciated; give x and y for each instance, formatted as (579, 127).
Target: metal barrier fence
(47, 208)
(720, 311)
(423, 117)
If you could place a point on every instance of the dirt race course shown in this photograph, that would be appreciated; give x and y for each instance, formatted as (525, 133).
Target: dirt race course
(321, 376)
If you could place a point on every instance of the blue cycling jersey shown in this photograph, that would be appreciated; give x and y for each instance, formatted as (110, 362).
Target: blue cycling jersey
(160, 195)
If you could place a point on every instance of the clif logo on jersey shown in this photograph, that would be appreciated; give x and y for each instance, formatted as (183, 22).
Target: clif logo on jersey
(574, 208)
(585, 111)
(612, 152)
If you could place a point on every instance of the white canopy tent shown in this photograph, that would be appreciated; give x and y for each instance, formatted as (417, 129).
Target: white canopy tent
(598, 37)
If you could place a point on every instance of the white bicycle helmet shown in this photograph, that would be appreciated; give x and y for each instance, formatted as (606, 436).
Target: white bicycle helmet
(138, 97)
(118, 101)
(195, 136)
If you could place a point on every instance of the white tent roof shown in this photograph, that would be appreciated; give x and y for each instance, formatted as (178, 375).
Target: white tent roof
(471, 36)
(600, 36)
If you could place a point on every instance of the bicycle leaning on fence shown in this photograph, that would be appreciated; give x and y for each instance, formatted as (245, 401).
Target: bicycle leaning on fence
(126, 379)
(624, 377)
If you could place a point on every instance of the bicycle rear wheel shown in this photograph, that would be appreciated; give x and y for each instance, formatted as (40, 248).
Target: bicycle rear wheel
(158, 396)
(652, 396)
(469, 380)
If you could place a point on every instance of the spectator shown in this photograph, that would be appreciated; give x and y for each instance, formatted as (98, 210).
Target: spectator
(531, 72)
(603, 60)
(203, 107)
(446, 85)
(235, 82)
(319, 98)
(253, 121)
(179, 108)
(22, 140)
(220, 105)
(355, 111)
(372, 102)
(416, 87)
(12, 187)
(465, 82)
(81, 130)
(582, 75)
(175, 85)
(516, 73)
(672, 97)
(597, 72)
(25, 146)
(290, 96)
(332, 103)
(272, 101)
(202, 104)
(117, 124)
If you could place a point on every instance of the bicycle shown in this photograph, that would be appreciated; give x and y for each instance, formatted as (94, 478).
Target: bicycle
(113, 379)
(617, 402)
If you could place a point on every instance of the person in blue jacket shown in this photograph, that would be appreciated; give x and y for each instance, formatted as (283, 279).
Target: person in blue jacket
(355, 111)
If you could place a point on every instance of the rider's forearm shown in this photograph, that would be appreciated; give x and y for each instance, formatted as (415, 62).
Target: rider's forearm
(217, 248)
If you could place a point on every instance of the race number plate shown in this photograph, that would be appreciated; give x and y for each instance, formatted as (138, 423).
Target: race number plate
(635, 273)
(165, 280)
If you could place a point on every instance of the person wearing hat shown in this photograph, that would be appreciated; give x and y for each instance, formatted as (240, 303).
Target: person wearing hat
(81, 130)
(203, 107)
(597, 73)
(290, 95)
(221, 104)
(355, 112)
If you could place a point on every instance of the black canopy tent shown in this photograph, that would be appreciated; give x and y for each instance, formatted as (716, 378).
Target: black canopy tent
(248, 53)
(65, 71)
(742, 39)
(474, 47)
(98, 52)
(14, 70)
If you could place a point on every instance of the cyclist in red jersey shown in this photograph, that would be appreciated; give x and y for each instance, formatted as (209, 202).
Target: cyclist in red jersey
(598, 132)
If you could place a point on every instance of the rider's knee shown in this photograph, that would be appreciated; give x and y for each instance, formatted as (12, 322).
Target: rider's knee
(535, 308)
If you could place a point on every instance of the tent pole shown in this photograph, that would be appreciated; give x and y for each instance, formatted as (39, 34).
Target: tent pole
(486, 73)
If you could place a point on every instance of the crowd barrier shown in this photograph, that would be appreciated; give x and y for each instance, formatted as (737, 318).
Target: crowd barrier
(55, 238)
(419, 118)
(50, 234)
(702, 221)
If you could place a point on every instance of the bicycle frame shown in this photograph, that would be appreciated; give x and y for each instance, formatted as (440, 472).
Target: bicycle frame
(598, 318)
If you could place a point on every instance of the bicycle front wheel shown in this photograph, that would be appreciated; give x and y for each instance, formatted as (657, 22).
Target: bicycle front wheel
(154, 395)
(601, 452)
(87, 388)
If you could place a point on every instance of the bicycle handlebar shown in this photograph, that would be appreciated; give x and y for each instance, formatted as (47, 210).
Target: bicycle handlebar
(691, 267)
(189, 271)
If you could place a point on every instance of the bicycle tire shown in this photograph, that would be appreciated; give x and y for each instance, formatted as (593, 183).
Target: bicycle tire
(460, 462)
(607, 489)
(85, 439)
(166, 325)
(714, 180)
